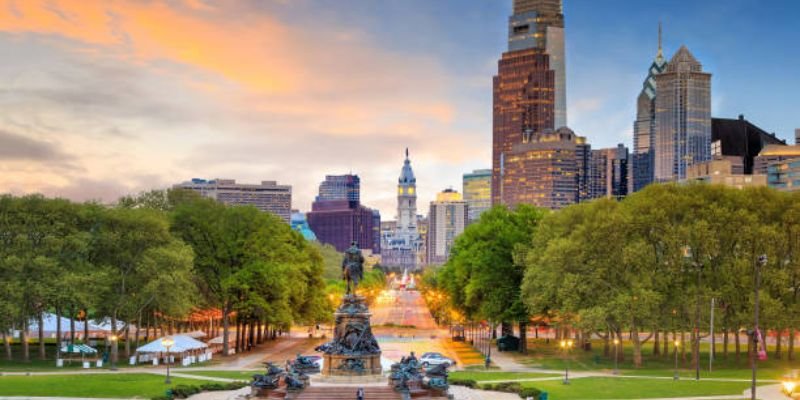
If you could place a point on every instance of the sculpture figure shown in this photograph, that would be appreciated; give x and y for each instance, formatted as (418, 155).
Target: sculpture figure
(352, 268)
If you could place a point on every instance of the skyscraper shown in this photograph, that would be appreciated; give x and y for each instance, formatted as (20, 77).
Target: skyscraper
(644, 127)
(267, 196)
(447, 218)
(477, 189)
(340, 187)
(608, 173)
(547, 170)
(400, 247)
(529, 90)
(683, 117)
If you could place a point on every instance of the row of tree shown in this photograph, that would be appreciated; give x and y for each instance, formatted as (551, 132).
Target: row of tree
(648, 266)
(152, 259)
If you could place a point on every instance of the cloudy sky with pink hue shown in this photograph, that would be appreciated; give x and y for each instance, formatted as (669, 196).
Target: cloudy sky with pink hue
(104, 98)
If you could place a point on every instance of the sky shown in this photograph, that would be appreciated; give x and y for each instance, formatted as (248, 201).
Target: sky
(100, 99)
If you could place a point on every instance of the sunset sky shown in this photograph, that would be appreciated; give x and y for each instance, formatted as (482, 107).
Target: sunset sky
(104, 98)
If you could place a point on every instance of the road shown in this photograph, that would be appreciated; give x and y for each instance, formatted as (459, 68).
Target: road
(403, 308)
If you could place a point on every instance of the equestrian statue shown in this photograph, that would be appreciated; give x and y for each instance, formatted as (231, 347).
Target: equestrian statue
(352, 268)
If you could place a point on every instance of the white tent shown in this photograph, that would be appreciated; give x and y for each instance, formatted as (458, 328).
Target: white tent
(195, 334)
(105, 325)
(181, 344)
(218, 339)
(78, 349)
(50, 325)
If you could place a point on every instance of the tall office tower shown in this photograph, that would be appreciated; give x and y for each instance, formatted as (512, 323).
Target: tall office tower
(683, 117)
(447, 218)
(477, 189)
(529, 90)
(608, 173)
(267, 196)
(644, 127)
(340, 187)
(547, 170)
(400, 248)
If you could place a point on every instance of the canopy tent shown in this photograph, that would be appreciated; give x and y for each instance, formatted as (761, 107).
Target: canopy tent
(105, 325)
(196, 334)
(78, 349)
(181, 344)
(50, 325)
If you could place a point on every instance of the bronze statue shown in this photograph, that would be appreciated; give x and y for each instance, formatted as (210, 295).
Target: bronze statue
(352, 268)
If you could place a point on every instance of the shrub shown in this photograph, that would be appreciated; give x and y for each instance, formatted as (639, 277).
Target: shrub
(184, 391)
(507, 387)
(470, 383)
(530, 392)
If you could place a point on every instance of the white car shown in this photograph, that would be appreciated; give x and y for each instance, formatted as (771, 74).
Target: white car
(429, 359)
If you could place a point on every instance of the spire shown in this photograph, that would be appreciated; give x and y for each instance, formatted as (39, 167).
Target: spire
(406, 153)
(660, 49)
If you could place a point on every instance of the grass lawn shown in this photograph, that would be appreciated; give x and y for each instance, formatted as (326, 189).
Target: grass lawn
(635, 388)
(548, 356)
(241, 375)
(88, 386)
(496, 376)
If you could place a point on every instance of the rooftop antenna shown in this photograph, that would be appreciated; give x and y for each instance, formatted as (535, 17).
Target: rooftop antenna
(406, 152)
(660, 50)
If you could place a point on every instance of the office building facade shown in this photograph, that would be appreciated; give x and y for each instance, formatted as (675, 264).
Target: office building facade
(683, 117)
(742, 139)
(642, 159)
(336, 223)
(340, 187)
(447, 219)
(608, 173)
(267, 196)
(547, 170)
(784, 175)
(529, 90)
(477, 189)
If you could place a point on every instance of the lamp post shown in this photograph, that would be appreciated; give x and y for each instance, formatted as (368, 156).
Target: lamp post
(761, 262)
(677, 344)
(566, 345)
(167, 343)
(616, 356)
(114, 339)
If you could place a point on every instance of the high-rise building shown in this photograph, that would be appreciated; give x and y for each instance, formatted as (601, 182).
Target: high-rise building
(797, 136)
(529, 90)
(725, 170)
(477, 189)
(268, 196)
(336, 223)
(645, 125)
(400, 248)
(742, 139)
(447, 218)
(608, 173)
(547, 170)
(340, 187)
(683, 117)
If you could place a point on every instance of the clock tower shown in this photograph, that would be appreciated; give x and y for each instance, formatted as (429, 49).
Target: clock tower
(407, 202)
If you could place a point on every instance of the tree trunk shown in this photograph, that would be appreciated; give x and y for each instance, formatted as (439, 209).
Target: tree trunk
(23, 338)
(114, 347)
(259, 331)
(7, 344)
(523, 337)
(138, 327)
(683, 346)
(42, 353)
(695, 337)
(58, 332)
(607, 343)
(251, 337)
(225, 329)
(128, 341)
(791, 344)
(737, 346)
(71, 326)
(637, 347)
(778, 334)
(656, 343)
(86, 326)
(725, 343)
(665, 350)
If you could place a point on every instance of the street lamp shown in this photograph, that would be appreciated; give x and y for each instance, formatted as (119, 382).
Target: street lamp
(677, 344)
(566, 345)
(167, 343)
(114, 339)
(616, 356)
(760, 263)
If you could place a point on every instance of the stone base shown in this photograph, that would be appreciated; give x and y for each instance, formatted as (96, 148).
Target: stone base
(332, 366)
(355, 380)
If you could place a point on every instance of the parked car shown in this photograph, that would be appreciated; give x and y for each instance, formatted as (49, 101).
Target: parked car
(429, 359)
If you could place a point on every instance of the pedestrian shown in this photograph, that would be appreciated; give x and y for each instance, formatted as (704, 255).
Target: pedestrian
(360, 394)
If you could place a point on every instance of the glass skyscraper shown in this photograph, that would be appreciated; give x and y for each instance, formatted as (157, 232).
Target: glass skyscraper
(340, 187)
(529, 90)
(644, 127)
(683, 117)
(477, 189)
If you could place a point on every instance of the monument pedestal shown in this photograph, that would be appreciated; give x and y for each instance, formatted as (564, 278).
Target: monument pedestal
(353, 351)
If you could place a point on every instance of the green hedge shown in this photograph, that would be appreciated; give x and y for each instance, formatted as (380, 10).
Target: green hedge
(184, 391)
(470, 383)
(512, 387)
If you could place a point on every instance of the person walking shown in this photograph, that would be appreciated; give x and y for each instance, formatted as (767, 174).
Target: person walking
(360, 394)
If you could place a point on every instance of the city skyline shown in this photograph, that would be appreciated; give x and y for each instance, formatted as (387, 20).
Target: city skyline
(98, 107)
